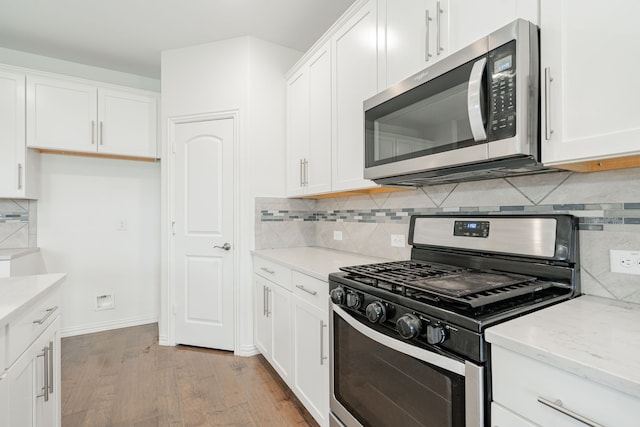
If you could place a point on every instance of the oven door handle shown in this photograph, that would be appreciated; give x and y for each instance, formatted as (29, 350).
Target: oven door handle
(430, 357)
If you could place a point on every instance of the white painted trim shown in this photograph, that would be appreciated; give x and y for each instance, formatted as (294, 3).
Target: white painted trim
(247, 351)
(170, 338)
(107, 326)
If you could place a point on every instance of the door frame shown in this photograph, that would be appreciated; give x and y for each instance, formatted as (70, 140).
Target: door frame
(169, 309)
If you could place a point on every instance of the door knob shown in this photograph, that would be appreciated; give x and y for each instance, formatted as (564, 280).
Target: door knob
(226, 246)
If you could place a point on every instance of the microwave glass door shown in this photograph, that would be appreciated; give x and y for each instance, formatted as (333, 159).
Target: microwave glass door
(381, 386)
(428, 119)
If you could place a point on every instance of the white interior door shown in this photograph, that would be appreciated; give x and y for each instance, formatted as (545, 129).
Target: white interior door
(204, 224)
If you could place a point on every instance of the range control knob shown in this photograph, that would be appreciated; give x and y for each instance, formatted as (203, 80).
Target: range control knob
(376, 312)
(435, 334)
(353, 300)
(409, 326)
(338, 296)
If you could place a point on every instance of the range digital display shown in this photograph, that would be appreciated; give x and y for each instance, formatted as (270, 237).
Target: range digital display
(471, 228)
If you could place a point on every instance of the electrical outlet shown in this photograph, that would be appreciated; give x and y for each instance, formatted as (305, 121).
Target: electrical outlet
(397, 240)
(121, 225)
(337, 235)
(625, 262)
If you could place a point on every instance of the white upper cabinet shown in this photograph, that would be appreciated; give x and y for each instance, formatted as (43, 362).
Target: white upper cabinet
(309, 126)
(470, 20)
(127, 123)
(416, 35)
(17, 165)
(355, 56)
(590, 86)
(65, 115)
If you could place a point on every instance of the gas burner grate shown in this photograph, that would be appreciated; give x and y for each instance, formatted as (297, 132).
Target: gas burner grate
(446, 283)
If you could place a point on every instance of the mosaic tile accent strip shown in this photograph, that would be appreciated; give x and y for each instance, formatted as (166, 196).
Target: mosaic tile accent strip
(590, 216)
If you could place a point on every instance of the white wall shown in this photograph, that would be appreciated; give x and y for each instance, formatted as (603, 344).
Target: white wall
(244, 74)
(82, 201)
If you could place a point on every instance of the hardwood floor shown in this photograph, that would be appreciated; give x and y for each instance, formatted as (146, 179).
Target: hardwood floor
(124, 378)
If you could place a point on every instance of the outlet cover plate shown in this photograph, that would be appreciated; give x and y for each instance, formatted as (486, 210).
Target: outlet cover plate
(337, 235)
(625, 262)
(398, 240)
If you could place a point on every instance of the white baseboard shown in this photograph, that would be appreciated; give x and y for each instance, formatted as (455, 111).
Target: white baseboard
(247, 350)
(107, 326)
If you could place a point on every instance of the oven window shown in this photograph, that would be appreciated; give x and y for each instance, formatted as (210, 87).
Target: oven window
(382, 387)
(429, 119)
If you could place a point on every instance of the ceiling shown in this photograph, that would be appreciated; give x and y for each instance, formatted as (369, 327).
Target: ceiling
(128, 35)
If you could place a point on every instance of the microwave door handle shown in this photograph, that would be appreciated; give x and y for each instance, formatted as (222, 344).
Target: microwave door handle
(474, 108)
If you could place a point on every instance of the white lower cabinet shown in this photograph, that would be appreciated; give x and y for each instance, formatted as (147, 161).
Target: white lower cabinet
(311, 345)
(273, 322)
(291, 331)
(544, 395)
(33, 383)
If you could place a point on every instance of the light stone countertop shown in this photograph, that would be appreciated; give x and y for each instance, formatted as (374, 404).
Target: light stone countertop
(316, 262)
(16, 292)
(592, 337)
(9, 254)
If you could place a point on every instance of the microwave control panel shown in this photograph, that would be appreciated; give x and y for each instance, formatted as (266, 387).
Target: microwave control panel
(501, 74)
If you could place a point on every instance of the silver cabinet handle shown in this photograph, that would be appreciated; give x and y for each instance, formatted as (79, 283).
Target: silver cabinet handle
(264, 301)
(45, 379)
(101, 138)
(301, 172)
(226, 246)
(427, 18)
(266, 270)
(46, 316)
(322, 356)
(306, 290)
(557, 405)
(306, 172)
(93, 132)
(19, 176)
(547, 103)
(50, 381)
(268, 302)
(438, 13)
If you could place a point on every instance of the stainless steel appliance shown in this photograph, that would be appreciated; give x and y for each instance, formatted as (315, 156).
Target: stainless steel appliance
(472, 115)
(407, 337)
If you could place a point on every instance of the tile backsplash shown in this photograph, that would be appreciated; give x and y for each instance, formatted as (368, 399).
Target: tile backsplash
(607, 205)
(18, 223)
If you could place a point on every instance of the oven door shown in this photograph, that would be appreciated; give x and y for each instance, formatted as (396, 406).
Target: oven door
(379, 381)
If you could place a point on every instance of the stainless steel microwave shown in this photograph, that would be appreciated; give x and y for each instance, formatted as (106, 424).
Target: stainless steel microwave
(472, 115)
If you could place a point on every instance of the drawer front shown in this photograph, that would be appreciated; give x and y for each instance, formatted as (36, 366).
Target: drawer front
(519, 381)
(311, 290)
(25, 328)
(502, 417)
(273, 271)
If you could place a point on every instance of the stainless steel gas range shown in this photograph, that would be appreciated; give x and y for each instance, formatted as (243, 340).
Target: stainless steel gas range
(407, 337)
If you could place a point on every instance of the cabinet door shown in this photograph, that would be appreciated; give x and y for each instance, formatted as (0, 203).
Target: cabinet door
(355, 79)
(311, 363)
(406, 27)
(12, 135)
(297, 131)
(589, 69)
(280, 308)
(263, 328)
(61, 115)
(36, 369)
(127, 123)
(319, 162)
(470, 20)
(4, 398)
